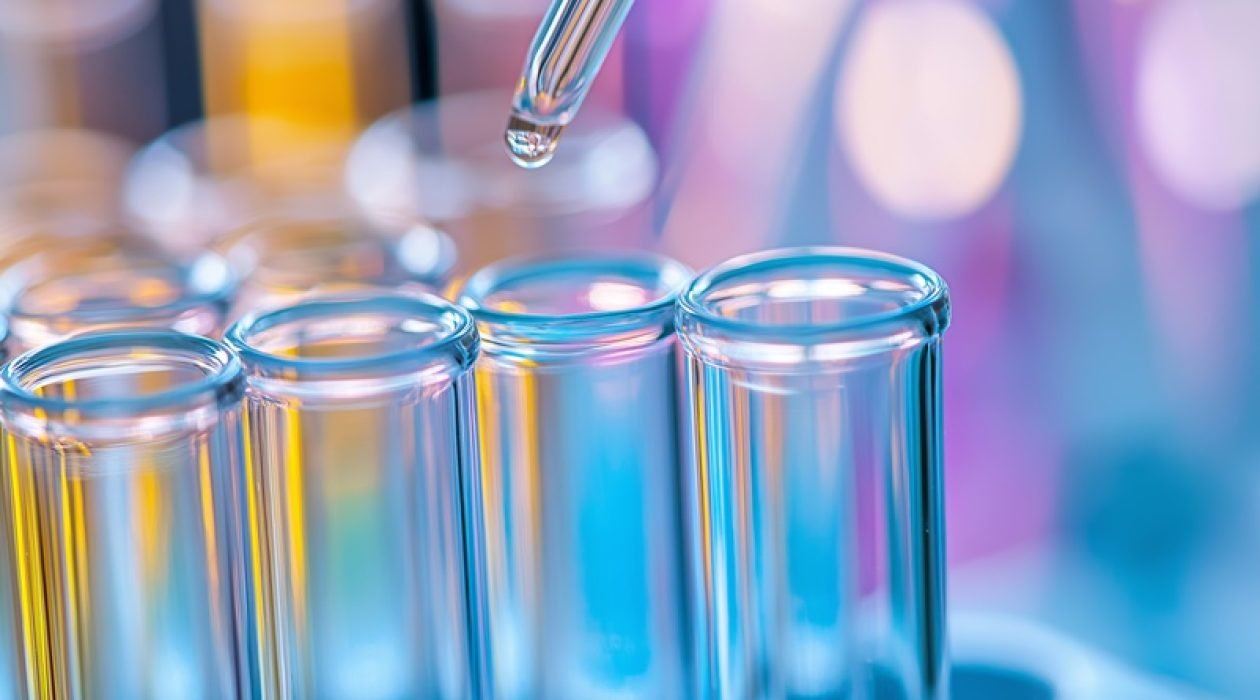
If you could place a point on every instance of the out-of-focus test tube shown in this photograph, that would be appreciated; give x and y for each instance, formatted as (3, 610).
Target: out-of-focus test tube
(578, 497)
(814, 493)
(327, 64)
(280, 259)
(567, 52)
(112, 282)
(117, 504)
(441, 162)
(360, 430)
(195, 184)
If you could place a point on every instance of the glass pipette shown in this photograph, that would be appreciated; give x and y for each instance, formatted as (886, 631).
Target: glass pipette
(568, 50)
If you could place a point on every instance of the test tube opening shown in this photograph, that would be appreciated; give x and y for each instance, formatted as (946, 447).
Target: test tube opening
(97, 383)
(351, 336)
(281, 256)
(834, 302)
(114, 283)
(596, 300)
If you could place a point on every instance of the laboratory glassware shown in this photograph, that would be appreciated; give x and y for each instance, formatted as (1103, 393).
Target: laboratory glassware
(359, 432)
(563, 60)
(441, 163)
(120, 448)
(117, 281)
(282, 258)
(578, 498)
(814, 491)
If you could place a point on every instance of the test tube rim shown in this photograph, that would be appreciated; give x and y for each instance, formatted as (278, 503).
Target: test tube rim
(483, 282)
(456, 346)
(265, 231)
(216, 298)
(932, 304)
(221, 380)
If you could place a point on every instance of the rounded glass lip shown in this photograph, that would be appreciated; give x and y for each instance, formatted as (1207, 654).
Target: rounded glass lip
(221, 366)
(634, 265)
(247, 244)
(692, 303)
(216, 296)
(328, 305)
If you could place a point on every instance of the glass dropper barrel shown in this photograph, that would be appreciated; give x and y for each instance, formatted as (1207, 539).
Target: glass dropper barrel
(567, 52)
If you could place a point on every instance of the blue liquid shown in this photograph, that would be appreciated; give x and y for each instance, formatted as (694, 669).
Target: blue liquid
(579, 513)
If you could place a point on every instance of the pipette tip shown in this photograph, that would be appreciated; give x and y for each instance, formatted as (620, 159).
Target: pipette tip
(531, 145)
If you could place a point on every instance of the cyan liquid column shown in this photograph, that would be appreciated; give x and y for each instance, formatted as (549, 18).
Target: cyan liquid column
(579, 494)
(109, 606)
(360, 429)
(814, 493)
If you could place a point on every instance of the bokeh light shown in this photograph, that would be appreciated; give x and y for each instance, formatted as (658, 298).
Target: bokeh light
(1198, 99)
(929, 107)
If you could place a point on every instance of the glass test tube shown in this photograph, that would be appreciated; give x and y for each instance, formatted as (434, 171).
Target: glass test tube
(112, 282)
(567, 52)
(117, 506)
(359, 429)
(815, 502)
(281, 259)
(578, 501)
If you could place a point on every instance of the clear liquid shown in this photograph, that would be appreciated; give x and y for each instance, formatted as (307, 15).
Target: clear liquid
(531, 145)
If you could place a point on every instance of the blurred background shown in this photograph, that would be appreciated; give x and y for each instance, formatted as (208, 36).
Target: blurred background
(1085, 174)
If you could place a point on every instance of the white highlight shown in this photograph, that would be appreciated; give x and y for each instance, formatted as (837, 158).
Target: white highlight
(1198, 99)
(929, 107)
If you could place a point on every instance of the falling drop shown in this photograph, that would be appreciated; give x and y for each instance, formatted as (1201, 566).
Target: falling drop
(531, 145)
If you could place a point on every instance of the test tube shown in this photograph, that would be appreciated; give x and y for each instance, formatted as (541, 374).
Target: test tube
(567, 52)
(280, 259)
(578, 504)
(118, 511)
(359, 429)
(814, 490)
(111, 282)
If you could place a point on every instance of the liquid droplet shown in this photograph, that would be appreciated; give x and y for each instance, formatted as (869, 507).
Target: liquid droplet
(531, 145)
